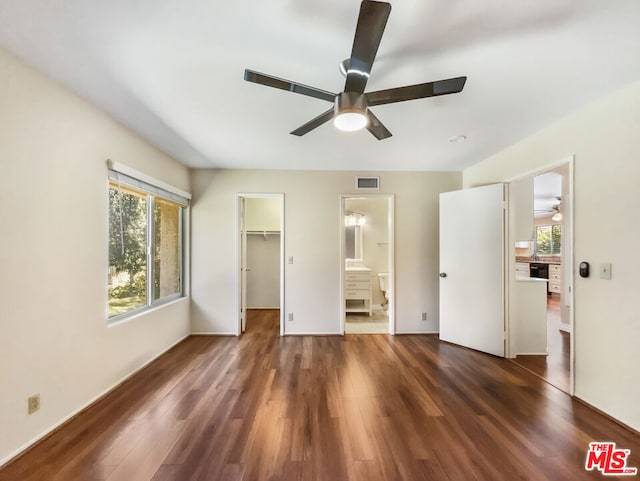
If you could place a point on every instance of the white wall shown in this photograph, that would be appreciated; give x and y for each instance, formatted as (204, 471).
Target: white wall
(604, 138)
(375, 238)
(312, 237)
(54, 338)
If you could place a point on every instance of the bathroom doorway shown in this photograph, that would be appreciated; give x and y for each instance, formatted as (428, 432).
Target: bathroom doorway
(367, 264)
(260, 263)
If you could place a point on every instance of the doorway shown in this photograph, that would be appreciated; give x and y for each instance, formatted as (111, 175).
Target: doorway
(367, 264)
(545, 256)
(260, 263)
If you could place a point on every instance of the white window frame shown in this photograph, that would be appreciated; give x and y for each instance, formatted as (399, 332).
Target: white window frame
(152, 188)
(551, 226)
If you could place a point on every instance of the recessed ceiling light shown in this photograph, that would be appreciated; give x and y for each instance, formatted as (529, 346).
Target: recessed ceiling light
(457, 138)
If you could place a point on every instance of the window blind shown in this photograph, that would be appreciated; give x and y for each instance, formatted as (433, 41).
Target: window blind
(123, 175)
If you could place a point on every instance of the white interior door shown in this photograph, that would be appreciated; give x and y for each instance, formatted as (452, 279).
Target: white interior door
(472, 268)
(243, 267)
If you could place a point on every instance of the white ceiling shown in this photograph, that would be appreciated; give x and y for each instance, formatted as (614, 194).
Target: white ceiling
(173, 72)
(547, 188)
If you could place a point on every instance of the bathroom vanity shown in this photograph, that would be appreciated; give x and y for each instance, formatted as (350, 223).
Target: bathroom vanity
(357, 289)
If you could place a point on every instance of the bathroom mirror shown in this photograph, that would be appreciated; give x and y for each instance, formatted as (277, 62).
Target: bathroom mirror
(353, 243)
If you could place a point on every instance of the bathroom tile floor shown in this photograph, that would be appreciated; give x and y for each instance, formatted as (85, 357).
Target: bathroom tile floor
(377, 323)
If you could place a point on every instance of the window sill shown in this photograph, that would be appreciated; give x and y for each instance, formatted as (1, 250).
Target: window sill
(143, 312)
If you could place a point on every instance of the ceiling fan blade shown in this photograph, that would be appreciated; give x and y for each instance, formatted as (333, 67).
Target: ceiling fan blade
(419, 91)
(371, 22)
(278, 83)
(378, 130)
(312, 124)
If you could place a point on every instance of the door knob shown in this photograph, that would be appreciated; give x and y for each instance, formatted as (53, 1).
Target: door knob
(443, 274)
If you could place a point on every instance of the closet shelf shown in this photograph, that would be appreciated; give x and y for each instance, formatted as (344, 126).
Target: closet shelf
(264, 233)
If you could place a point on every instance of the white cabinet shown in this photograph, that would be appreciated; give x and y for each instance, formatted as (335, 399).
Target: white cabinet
(555, 278)
(522, 269)
(529, 316)
(357, 291)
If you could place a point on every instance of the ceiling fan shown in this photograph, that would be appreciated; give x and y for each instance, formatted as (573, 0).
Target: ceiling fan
(555, 210)
(350, 110)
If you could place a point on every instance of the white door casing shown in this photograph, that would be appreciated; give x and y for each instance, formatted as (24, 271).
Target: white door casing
(243, 266)
(472, 299)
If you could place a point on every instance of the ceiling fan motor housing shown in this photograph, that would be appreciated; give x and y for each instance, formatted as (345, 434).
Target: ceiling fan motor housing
(350, 102)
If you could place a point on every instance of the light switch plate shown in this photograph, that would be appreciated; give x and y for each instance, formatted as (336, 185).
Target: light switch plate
(605, 271)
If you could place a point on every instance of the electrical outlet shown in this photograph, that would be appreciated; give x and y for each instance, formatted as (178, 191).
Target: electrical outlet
(291, 316)
(424, 316)
(33, 403)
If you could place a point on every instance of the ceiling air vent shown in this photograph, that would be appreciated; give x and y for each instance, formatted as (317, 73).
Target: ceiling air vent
(368, 183)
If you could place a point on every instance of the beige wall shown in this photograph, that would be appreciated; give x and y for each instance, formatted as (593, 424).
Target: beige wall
(262, 214)
(604, 138)
(54, 338)
(312, 237)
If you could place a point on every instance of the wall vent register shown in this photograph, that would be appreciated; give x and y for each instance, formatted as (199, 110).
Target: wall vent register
(367, 183)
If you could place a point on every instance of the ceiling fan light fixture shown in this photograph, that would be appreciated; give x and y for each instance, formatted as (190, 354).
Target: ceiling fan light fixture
(557, 217)
(350, 121)
(350, 112)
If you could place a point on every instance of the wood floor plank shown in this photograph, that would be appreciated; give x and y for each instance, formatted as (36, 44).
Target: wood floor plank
(354, 408)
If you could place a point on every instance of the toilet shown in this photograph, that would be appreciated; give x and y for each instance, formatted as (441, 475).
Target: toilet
(383, 280)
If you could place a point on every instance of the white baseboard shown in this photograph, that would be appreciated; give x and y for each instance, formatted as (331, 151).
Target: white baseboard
(532, 354)
(400, 333)
(113, 387)
(270, 308)
(209, 333)
(565, 328)
(313, 334)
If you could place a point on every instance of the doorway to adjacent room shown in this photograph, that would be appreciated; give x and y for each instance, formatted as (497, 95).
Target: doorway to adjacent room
(260, 262)
(367, 274)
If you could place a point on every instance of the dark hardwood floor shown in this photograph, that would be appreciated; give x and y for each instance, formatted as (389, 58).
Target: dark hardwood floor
(555, 367)
(358, 407)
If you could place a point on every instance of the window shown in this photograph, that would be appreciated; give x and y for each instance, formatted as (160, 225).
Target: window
(548, 239)
(145, 245)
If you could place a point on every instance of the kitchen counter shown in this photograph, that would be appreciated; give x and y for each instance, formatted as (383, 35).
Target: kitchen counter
(541, 259)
